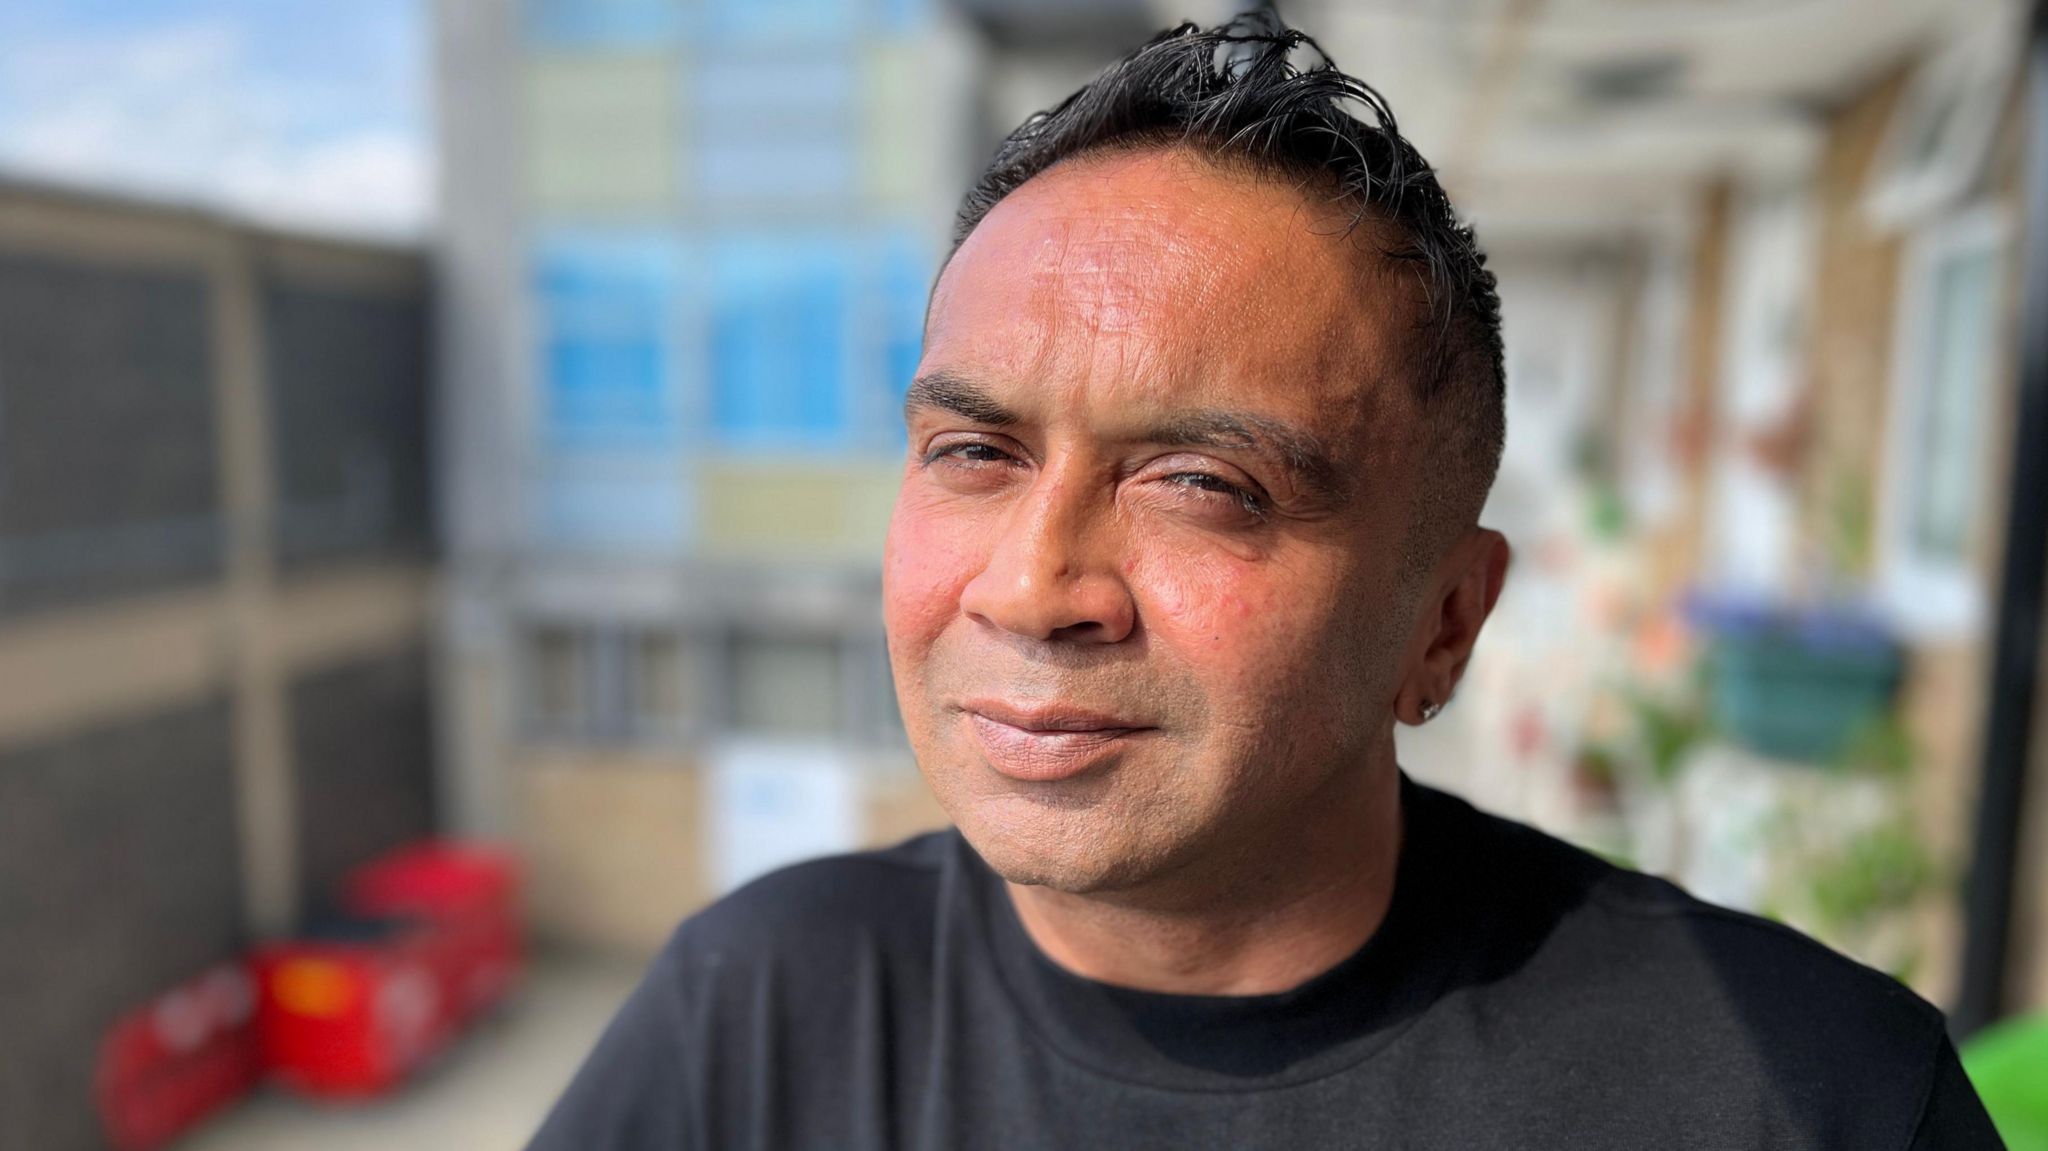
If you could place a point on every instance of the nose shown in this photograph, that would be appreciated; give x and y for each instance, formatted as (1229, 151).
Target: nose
(1051, 574)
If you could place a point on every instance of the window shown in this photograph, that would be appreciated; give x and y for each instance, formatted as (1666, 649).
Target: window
(873, 697)
(585, 23)
(650, 685)
(774, 20)
(1936, 146)
(905, 275)
(661, 684)
(556, 693)
(348, 406)
(1753, 511)
(779, 342)
(1947, 359)
(609, 684)
(785, 685)
(776, 130)
(606, 315)
(608, 475)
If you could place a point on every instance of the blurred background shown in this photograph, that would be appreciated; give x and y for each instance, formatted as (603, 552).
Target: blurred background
(474, 422)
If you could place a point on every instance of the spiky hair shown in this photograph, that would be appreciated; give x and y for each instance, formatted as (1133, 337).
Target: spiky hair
(1256, 94)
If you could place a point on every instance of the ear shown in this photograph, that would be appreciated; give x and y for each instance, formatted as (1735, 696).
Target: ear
(1457, 598)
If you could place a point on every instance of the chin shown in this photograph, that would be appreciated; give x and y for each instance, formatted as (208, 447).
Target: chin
(1095, 833)
(1028, 868)
(1079, 851)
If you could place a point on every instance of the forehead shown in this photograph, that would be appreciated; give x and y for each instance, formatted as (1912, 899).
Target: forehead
(1160, 276)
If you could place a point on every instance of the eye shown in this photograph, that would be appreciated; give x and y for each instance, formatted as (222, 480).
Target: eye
(975, 451)
(1203, 481)
(965, 454)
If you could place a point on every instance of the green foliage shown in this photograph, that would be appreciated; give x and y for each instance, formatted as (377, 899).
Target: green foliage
(1666, 730)
(1882, 747)
(1872, 879)
(1849, 529)
(1884, 869)
(1607, 513)
(1599, 764)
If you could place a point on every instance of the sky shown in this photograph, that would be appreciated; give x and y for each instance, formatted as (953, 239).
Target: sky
(300, 113)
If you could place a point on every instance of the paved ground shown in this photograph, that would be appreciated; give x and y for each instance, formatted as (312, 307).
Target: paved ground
(488, 1093)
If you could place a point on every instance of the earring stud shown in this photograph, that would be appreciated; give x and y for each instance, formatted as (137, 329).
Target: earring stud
(1429, 710)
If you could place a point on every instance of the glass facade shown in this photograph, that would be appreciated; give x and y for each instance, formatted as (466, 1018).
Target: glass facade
(733, 213)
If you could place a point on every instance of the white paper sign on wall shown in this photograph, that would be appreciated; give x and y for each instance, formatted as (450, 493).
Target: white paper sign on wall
(776, 803)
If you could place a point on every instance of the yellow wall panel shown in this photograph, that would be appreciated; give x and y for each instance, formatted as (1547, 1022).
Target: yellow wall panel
(771, 509)
(897, 151)
(602, 133)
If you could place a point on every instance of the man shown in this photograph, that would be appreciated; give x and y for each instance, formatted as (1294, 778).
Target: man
(1210, 400)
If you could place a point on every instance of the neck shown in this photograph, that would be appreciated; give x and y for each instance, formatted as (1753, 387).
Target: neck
(1267, 916)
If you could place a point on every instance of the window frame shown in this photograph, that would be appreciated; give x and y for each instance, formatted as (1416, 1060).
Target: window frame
(1933, 597)
(1964, 83)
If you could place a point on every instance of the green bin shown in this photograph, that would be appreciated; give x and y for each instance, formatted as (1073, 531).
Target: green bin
(2008, 1064)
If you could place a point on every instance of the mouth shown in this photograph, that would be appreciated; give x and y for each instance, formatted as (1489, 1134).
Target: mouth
(1047, 742)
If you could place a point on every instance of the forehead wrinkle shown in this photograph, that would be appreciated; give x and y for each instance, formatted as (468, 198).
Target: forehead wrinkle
(1114, 274)
(1114, 302)
(1127, 275)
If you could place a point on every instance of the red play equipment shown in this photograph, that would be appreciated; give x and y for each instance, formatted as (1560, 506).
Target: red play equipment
(428, 940)
(175, 1060)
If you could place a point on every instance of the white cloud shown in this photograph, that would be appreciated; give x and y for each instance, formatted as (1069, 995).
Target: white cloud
(180, 113)
(370, 181)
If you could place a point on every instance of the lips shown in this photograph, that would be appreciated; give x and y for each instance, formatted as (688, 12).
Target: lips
(1047, 742)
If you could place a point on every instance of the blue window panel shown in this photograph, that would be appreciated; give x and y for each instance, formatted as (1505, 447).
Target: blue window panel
(612, 503)
(606, 313)
(782, 20)
(899, 16)
(749, 173)
(781, 128)
(906, 269)
(604, 389)
(606, 23)
(736, 95)
(780, 352)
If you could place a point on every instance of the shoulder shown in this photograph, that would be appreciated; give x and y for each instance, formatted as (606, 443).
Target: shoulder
(751, 981)
(1756, 1009)
(1786, 984)
(1657, 976)
(1605, 911)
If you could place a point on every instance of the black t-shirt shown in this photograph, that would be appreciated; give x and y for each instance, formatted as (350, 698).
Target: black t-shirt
(1519, 993)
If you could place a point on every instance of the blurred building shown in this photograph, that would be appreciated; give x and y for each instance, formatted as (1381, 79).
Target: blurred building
(215, 581)
(1761, 280)
(686, 251)
(608, 587)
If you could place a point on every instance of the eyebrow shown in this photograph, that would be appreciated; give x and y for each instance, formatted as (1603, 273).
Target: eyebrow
(1308, 460)
(962, 397)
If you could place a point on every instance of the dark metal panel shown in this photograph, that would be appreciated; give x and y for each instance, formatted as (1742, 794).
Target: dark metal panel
(347, 374)
(119, 879)
(363, 754)
(108, 459)
(2017, 640)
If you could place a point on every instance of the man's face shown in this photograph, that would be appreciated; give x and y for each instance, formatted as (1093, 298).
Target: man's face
(1143, 582)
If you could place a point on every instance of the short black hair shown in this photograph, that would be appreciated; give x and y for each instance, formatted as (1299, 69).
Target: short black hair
(1236, 93)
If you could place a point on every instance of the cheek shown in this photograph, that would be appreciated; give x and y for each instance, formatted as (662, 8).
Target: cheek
(1233, 621)
(926, 561)
(1276, 653)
